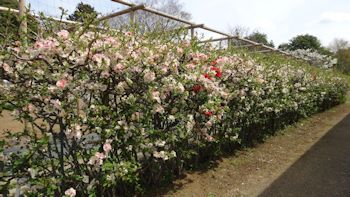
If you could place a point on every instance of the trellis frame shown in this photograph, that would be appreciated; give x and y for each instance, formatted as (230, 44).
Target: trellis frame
(190, 25)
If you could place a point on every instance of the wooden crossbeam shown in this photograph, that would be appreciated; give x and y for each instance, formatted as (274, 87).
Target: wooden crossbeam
(266, 51)
(8, 9)
(244, 46)
(126, 11)
(218, 39)
(215, 31)
(195, 26)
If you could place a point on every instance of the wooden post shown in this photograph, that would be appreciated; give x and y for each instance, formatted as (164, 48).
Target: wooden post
(192, 33)
(23, 18)
(229, 40)
(132, 18)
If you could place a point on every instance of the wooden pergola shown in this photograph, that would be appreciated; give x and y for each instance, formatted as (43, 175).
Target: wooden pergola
(191, 26)
(132, 8)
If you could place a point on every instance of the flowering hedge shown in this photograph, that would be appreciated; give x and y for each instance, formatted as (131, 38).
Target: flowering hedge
(315, 58)
(115, 112)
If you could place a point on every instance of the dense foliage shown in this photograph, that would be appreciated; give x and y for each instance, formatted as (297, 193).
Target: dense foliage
(305, 42)
(260, 38)
(81, 11)
(115, 112)
(343, 56)
(10, 22)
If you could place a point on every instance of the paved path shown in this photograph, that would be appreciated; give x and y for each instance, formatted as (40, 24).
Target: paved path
(324, 170)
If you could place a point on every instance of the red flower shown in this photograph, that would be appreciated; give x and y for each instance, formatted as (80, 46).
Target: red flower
(213, 63)
(218, 74)
(208, 113)
(217, 70)
(197, 88)
(214, 68)
(206, 75)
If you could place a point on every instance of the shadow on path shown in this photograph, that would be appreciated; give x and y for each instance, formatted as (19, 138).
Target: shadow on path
(324, 170)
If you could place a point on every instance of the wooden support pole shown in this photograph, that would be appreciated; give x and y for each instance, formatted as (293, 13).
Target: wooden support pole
(229, 41)
(23, 19)
(192, 27)
(132, 17)
(192, 33)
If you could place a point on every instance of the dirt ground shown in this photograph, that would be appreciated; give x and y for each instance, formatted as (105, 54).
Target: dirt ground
(249, 172)
(8, 123)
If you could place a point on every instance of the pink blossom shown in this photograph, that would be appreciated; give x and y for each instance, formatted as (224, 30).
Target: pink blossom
(100, 155)
(118, 68)
(62, 83)
(128, 33)
(6, 68)
(70, 192)
(209, 138)
(46, 45)
(222, 60)
(164, 70)
(111, 40)
(107, 147)
(191, 66)
(38, 44)
(105, 74)
(63, 34)
(159, 109)
(97, 159)
(155, 96)
(100, 58)
(56, 103)
(209, 124)
(179, 50)
(17, 49)
(31, 107)
(149, 76)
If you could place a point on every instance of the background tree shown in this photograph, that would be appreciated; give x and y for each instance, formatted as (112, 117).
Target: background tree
(81, 11)
(152, 22)
(239, 30)
(306, 41)
(283, 47)
(260, 38)
(338, 44)
(343, 56)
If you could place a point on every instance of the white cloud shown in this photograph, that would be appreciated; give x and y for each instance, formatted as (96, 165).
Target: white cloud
(335, 17)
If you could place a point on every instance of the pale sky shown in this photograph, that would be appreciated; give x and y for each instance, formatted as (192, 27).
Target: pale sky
(279, 19)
